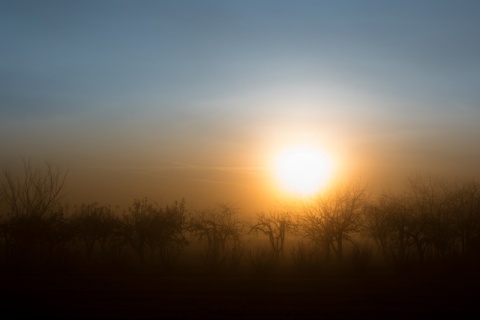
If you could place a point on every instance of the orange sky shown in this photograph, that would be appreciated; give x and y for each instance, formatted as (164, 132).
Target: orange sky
(175, 100)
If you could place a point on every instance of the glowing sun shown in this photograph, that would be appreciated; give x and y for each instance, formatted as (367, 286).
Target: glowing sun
(303, 170)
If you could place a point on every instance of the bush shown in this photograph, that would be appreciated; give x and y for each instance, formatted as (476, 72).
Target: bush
(261, 261)
(360, 257)
(306, 258)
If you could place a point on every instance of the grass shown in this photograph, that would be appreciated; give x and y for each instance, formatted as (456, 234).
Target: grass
(134, 295)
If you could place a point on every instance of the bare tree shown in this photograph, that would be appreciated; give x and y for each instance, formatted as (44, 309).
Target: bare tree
(94, 223)
(433, 224)
(275, 226)
(31, 197)
(467, 214)
(346, 212)
(57, 230)
(317, 227)
(334, 217)
(389, 223)
(35, 191)
(419, 222)
(222, 231)
(377, 224)
(146, 225)
(6, 230)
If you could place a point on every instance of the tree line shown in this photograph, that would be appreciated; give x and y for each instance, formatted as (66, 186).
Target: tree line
(431, 222)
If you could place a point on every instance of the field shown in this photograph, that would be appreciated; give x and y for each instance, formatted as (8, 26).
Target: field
(149, 295)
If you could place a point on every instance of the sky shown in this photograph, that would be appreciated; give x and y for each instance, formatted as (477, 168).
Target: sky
(192, 99)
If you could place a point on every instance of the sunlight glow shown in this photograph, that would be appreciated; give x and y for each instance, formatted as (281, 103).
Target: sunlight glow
(303, 170)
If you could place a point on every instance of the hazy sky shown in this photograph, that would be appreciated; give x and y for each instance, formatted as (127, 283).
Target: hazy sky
(171, 99)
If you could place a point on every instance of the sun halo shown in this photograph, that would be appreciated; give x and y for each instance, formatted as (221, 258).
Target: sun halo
(303, 170)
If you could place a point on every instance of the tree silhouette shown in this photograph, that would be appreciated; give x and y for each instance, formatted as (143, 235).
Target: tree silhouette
(419, 223)
(388, 222)
(222, 231)
(35, 191)
(94, 223)
(57, 231)
(432, 224)
(275, 226)
(146, 225)
(32, 203)
(334, 217)
(467, 214)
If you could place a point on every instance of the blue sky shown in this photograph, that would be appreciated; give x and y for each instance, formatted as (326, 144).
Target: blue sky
(387, 85)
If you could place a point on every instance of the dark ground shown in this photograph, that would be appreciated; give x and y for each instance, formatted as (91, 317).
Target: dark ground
(144, 295)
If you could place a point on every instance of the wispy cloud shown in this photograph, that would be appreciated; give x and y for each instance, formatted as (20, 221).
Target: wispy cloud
(173, 166)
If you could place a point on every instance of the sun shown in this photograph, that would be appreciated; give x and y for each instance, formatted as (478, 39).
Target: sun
(303, 170)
